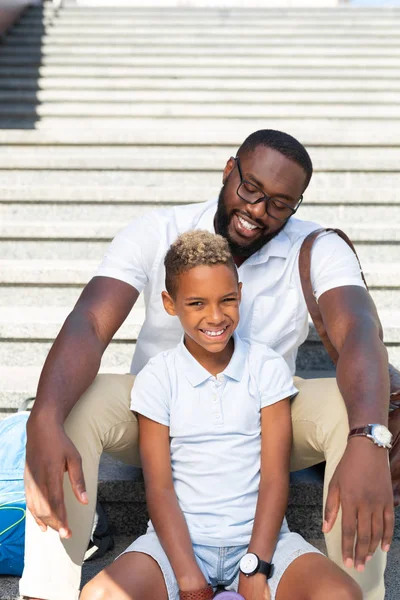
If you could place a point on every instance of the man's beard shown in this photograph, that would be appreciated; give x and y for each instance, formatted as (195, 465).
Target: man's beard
(221, 223)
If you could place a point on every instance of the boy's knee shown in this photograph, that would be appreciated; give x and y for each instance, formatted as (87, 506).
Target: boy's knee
(344, 590)
(95, 590)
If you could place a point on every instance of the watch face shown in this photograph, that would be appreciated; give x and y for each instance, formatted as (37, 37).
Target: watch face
(381, 434)
(249, 563)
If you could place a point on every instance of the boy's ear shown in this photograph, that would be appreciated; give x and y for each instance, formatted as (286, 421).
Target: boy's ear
(169, 303)
(240, 291)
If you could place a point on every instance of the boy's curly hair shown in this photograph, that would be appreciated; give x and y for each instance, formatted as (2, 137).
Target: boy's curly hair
(192, 249)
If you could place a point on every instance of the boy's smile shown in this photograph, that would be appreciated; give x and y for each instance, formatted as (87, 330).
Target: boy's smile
(207, 304)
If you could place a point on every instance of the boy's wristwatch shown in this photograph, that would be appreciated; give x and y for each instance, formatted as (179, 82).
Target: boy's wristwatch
(379, 434)
(250, 564)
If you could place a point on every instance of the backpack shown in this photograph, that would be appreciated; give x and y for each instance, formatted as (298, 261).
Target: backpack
(13, 502)
(12, 494)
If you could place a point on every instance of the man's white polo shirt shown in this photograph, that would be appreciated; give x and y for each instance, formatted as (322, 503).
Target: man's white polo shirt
(214, 426)
(273, 310)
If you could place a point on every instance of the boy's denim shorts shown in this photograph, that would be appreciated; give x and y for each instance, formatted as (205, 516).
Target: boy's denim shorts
(220, 566)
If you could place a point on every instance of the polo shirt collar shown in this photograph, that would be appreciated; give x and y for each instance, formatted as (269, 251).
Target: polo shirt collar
(278, 247)
(235, 368)
(197, 374)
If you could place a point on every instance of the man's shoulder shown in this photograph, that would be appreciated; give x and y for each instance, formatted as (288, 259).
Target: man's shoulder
(258, 353)
(181, 217)
(297, 229)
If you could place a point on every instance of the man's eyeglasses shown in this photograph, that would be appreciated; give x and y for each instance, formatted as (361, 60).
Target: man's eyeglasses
(275, 207)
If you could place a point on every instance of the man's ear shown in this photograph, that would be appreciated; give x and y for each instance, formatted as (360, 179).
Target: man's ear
(169, 303)
(230, 165)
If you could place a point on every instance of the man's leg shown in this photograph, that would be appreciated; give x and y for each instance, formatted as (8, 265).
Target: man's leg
(100, 421)
(320, 429)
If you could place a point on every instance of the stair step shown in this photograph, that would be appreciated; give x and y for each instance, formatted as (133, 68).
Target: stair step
(353, 73)
(94, 250)
(64, 294)
(329, 41)
(39, 323)
(56, 50)
(311, 357)
(207, 21)
(42, 323)
(261, 31)
(105, 230)
(64, 272)
(155, 158)
(199, 110)
(16, 217)
(196, 96)
(228, 19)
(200, 61)
(192, 132)
(103, 123)
(193, 83)
(181, 187)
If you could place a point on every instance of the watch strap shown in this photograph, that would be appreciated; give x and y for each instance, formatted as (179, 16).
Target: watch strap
(366, 430)
(266, 568)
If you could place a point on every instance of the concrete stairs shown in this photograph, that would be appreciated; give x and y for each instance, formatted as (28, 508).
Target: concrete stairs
(108, 113)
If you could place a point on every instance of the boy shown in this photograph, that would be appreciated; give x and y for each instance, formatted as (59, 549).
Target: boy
(216, 489)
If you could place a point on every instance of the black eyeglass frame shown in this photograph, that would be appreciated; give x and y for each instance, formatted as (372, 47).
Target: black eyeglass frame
(264, 197)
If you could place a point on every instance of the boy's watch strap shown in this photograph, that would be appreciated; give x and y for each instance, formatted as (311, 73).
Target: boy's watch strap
(266, 568)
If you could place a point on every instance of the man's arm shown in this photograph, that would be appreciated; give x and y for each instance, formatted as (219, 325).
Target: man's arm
(164, 510)
(70, 368)
(361, 483)
(276, 441)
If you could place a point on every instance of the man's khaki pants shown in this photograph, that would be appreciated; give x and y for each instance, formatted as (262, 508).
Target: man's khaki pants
(102, 422)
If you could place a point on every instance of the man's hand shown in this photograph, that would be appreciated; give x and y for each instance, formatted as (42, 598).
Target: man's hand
(254, 588)
(49, 453)
(361, 485)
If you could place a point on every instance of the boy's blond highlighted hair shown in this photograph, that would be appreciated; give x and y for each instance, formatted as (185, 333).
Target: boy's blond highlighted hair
(192, 249)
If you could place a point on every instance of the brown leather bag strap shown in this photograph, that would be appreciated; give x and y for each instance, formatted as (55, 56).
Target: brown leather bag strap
(305, 277)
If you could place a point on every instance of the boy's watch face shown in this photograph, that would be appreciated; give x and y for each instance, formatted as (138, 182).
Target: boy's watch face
(249, 564)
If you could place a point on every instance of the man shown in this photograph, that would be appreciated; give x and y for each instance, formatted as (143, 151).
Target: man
(78, 415)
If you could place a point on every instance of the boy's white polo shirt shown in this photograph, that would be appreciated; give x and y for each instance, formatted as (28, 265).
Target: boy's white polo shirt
(215, 430)
(272, 312)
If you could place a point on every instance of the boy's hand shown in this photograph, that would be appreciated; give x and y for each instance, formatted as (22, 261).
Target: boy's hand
(254, 588)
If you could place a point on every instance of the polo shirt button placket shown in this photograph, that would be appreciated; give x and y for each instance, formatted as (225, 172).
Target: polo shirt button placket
(216, 398)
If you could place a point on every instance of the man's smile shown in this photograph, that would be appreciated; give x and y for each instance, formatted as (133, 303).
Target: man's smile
(245, 226)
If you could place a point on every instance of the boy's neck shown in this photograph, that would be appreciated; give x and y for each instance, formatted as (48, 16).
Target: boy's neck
(213, 362)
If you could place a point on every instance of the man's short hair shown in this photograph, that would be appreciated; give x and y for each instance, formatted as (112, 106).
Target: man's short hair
(192, 249)
(283, 143)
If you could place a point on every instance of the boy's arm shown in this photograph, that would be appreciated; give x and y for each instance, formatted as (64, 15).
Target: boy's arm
(164, 510)
(276, 441)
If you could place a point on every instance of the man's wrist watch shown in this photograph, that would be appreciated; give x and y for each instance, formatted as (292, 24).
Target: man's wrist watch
(250, 564)
(379, 434)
